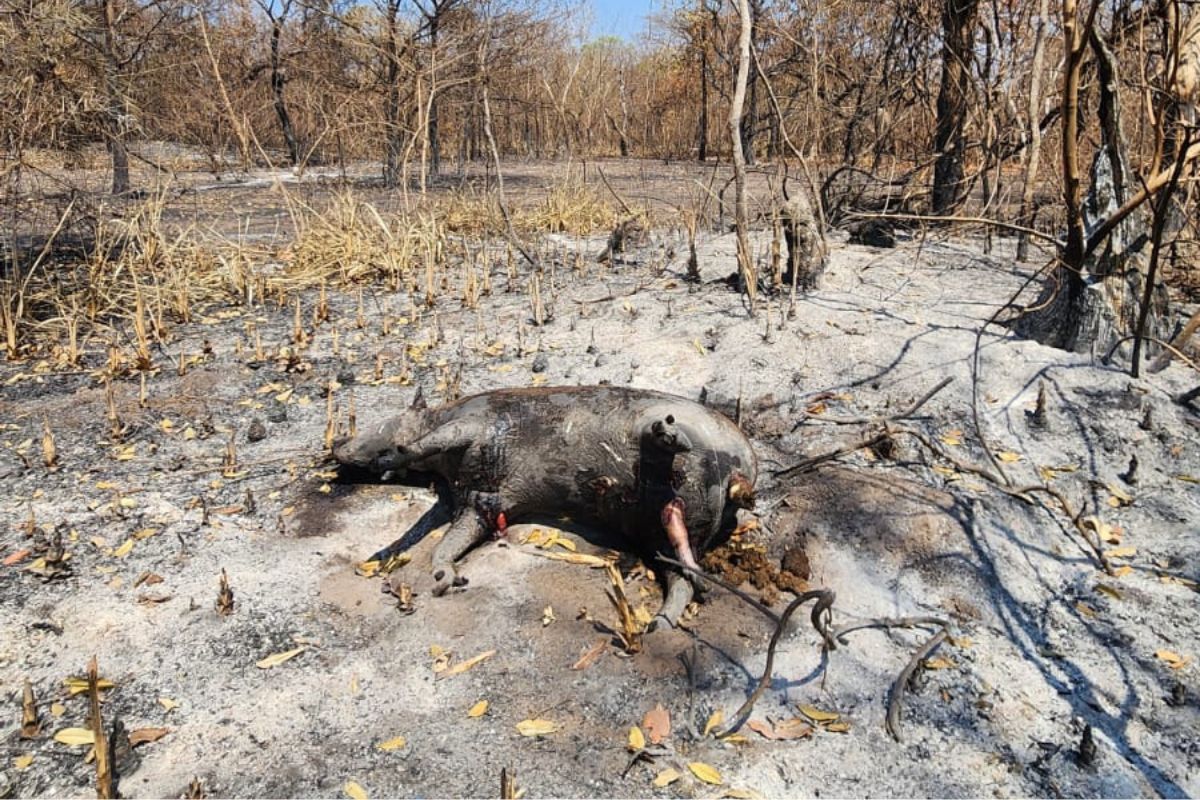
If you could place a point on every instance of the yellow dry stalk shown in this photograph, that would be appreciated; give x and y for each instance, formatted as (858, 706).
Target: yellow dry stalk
(141, 334)
(11, 311)
(631, 630)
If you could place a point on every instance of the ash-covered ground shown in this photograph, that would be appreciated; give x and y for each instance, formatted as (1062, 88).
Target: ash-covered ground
(1044, 642)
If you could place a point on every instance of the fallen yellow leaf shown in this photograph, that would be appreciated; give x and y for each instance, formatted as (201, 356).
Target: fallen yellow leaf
(366, 569)
(536, 727)
(354, 791)
(817, 715)
(666, 777)
(575, 558)
(22, 762)
(1121, 552)
(394, 743)
(704, 772)
(1008, 457)
(57, 709)
(124, 549)
(275, 659)
(637, 741)
(75, 736)
(1120, 497)
(936, 663)
(459, 669)
(478, 710)
(714, 722)
(168, 703)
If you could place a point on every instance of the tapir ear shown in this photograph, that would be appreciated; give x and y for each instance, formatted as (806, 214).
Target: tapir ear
(418, 403)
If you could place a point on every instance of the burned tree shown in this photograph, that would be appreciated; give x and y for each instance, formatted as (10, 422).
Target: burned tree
(1104, 289)
(277, 15)
(805, 240)
(953, 103)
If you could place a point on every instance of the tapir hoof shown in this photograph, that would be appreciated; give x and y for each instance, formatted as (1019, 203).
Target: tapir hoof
(661, 622)
(445, 580)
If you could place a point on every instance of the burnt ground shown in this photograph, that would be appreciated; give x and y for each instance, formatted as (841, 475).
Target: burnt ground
(1044, 642)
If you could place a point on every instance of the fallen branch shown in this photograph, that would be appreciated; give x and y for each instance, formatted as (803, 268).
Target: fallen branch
(809, 464)
(905, 414)
(895, 702)
(820, 617)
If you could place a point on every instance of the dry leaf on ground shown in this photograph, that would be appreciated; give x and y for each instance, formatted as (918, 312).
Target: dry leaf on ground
(714, 722)
(591, 655)
(75, 736)
(817, 715)
(666, 777)
(275, 659)
(459, 669)
(657, 723)
(146, 735)
(536, 727)
(705, 773)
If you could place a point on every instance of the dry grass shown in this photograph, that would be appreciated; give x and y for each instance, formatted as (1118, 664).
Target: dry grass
(141, 274)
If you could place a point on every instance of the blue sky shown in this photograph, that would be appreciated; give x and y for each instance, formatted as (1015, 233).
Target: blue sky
(624, 18)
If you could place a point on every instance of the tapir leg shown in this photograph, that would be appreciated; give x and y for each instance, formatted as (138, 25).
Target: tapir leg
(466, 531)
(481, 516)
(679, 594)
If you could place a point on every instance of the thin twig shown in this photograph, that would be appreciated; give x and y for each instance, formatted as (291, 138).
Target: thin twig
(624, 206)
(905, 414)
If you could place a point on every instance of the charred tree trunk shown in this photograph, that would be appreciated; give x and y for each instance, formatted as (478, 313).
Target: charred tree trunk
(116, 111)
(749, 278)
(702, 124)
(1033, 151)
(949, 140)
(435, 147)
(749, 125)
(278, 81)
(393, 137)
